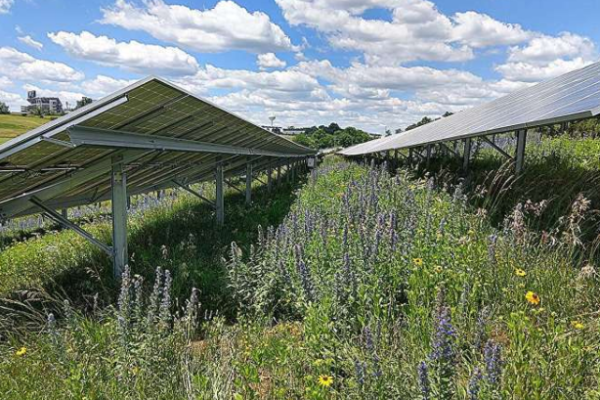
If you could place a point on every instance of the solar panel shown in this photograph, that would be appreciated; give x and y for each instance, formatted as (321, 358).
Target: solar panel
(48, 164)
(569, 97)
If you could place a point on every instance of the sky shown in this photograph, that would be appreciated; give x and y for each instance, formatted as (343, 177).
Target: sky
(372, 64)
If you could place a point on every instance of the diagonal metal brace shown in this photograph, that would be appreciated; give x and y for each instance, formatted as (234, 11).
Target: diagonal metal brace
(68, 224)
(192, 191)
(498, 148)
(231, 185)
(449, 149)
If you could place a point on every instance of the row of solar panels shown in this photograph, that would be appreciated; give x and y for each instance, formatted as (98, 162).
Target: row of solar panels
(572, 96)
(48, 164)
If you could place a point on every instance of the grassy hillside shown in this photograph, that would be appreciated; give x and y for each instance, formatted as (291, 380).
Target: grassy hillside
(13, 125)
(373, 286)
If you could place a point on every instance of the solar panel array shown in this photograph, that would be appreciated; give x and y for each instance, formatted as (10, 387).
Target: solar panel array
(38, 161)
(572, 96)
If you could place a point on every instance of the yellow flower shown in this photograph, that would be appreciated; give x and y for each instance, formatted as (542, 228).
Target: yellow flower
(418, 262)
(438, 269)
(577, 325)
(325, 380)
(533, 298)
(520, 272)
(21, 352)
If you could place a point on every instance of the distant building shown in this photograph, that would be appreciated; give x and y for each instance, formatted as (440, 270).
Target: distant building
(273, 129)
(48, 105)
(293, 131)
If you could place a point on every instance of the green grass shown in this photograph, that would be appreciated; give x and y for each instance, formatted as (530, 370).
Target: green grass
(14, 125)
(365, 278)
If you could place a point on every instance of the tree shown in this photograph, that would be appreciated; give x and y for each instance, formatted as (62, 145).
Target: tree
(83, 102)
(323, 137)
(447, 114)
(422, 122)
(4, 108)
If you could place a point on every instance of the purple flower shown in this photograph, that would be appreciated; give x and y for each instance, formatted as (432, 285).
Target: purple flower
(493, 362)
(475, 384)
(424, 384)
(445, 336)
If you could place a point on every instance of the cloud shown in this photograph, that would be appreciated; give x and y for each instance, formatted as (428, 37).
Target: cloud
(528, 72)
(289, 85)
(417, 30)
(132, 56)
(13, 100)
(104, 85)
(269, 60)
(545, 48)
(5, 82)
(5, 6)
(545, 57)
(359, 95)
(23, 66)
(29, 41)
(481, 30)
(225, 27)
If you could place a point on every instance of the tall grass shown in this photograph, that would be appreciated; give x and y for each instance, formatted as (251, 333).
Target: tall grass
(373, 287)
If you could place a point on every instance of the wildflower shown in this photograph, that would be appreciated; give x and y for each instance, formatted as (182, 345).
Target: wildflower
(443, 345)
(520, 272)
(577, 325)
(493, 362)
(438, 269)
(325, 380)
(475, 384)
(533, 298)
(424, 381)
(361, 369)
(444, 353)
(21, 352)
(418, 262)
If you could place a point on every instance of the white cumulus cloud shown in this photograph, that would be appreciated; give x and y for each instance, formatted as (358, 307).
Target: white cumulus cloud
(225, 27)
(269, 60)
(133, 56)
(18, 65)
(417, 30)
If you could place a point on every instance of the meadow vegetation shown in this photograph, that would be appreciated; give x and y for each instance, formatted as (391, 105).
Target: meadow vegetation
(359, 284)
(12, 125)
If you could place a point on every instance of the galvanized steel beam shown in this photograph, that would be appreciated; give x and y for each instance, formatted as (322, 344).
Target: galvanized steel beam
(119, 215)
(220, 202)
(520, 155)
(85, 136)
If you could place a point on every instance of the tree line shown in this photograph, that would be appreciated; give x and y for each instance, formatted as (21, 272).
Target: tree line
(324, 137)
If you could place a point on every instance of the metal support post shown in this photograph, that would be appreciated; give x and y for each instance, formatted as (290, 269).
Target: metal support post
(520, 156)
(428, 154)
(269, 179)
(467, 154)
(119, 215)
(220, 202)
(248, 182)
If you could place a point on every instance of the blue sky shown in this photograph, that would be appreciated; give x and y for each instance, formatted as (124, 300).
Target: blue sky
(367, 63)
